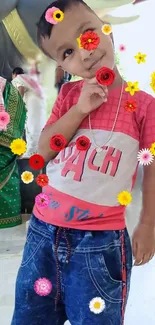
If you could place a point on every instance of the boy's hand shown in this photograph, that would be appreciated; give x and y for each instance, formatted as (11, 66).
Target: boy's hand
(91, 97)
(143, 244)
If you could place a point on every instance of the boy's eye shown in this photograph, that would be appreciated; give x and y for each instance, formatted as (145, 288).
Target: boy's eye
(67, 53)
(89, 30)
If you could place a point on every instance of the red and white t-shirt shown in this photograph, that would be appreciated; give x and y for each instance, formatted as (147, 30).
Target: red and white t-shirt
(84, 185)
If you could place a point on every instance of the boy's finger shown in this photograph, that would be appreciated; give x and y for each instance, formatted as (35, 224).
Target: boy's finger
(139, 257)
(146, 259)
(97, 90)
(93, 81)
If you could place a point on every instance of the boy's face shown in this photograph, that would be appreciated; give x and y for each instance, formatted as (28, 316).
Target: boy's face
(63, 46)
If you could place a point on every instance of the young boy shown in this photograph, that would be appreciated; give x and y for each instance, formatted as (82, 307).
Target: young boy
(77, 260)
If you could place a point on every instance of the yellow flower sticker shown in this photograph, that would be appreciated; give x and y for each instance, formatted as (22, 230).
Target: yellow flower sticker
(152, 84)
(132, 87)
(124, 198)
(18, 147)
(106, 29)
(58, 15)
(152, 149)
(140, 57)
(27, 177)
(79, 42)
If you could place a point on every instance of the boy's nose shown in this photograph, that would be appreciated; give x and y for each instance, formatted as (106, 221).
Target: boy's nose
(85, 55)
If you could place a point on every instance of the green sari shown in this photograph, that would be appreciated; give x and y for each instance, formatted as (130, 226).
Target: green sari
(10, 198)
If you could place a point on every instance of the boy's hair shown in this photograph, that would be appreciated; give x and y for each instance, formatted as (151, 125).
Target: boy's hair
(45, 28)
(17, 71)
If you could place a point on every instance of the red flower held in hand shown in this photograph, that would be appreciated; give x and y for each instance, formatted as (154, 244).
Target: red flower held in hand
(130, 105)
(36, 162)
(83, 143)
(89, 40)
(58, 142)
(42, 180)
(105, 76)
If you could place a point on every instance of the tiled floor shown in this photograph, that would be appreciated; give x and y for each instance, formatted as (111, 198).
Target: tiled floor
(141, 305)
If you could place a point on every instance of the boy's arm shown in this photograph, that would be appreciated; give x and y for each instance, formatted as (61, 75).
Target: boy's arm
(143, 240)
(91, 97)
(148, 211)
(144, 236)
(66, 125)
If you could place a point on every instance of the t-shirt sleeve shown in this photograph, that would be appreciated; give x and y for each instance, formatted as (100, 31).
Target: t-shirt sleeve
(147, 135)
(56, 111)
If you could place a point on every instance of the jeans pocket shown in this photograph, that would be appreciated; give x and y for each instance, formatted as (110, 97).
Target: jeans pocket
(34, 242)
(105, 271)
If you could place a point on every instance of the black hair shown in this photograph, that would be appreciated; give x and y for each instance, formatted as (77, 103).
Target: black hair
(18, 70)
(45, 28)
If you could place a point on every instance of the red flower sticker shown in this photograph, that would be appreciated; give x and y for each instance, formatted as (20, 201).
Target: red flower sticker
(89, 40)
(130, 105)
(83, 143)
(42, 180)
(36, 162)
(105, 76)
(58, 142)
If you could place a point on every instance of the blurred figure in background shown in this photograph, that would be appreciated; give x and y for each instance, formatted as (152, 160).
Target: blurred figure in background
(32, 92)
(11, 104)
(61, 77)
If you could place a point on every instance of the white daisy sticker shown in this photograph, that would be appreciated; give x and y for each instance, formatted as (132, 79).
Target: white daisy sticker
(145, 157)
(97, 305)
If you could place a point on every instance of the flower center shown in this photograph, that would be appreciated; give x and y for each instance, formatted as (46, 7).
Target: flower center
(58, 16)
(83, 143)
(18, 147)
(58, 142)
(89, 40)
(97, 305)
(105, 76)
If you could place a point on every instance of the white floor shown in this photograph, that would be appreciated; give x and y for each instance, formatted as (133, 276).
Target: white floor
(141, 305)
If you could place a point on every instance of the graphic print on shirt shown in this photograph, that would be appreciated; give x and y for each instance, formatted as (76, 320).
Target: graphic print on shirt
(89, 175)
(75, 161)
(74, 212)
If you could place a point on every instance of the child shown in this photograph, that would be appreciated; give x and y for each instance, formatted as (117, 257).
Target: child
(77, 260)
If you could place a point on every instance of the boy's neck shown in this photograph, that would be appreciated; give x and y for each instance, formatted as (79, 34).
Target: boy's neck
(118, 79)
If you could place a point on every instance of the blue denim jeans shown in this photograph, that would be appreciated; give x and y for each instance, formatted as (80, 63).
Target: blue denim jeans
(93, 270)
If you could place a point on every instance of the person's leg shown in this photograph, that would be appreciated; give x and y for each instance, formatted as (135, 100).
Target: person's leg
(97, 280)
(36, 281)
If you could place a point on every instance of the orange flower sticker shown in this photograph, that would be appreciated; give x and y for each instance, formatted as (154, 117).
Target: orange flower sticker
(130, 105)
(89, 40)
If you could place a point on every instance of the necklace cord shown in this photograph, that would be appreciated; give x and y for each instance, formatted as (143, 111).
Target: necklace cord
(114, 124)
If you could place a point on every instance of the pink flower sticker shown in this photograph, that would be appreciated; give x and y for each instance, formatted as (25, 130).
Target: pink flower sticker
(42, 200)
(4, 120)
(122, 48)
(43, 287)
(50, 17)
(145, 157)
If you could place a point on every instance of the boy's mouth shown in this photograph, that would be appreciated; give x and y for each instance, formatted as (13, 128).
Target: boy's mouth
(97, 64)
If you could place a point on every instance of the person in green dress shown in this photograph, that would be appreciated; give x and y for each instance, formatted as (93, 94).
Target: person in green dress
(13, 108)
